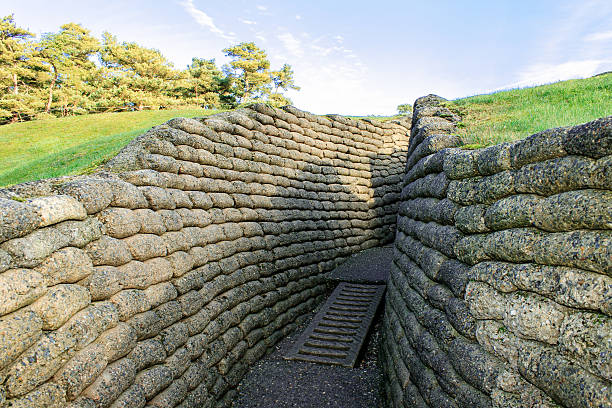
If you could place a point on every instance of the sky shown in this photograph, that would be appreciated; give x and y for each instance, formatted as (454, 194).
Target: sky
(361, 57)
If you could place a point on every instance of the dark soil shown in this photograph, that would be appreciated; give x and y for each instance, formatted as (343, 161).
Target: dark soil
(275, 382)
(368, 266)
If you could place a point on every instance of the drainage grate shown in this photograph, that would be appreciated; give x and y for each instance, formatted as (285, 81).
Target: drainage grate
(337, 332)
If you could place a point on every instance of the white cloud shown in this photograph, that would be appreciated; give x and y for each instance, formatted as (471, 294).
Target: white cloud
(247, 22)
(332, 77)
(337, 87)
(322, 51)
(263, 10)
(601, 36)
(205, 20)
(539, 74)
(339, 38)
(298, 17)
(567, 33)
(575, 46)
(291, 44)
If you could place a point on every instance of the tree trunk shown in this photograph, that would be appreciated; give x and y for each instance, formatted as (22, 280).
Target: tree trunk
(53, 81)
(48, 107)
(246, 86)
(15, 117)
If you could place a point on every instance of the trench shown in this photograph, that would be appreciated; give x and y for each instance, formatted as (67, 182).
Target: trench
(275, 381)
(161, 283)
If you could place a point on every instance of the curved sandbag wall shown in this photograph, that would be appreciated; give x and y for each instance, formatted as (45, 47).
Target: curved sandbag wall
(159, 281)
(501, 288)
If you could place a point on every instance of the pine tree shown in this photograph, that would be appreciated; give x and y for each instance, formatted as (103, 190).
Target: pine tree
(248, 71)
(277, 99)
(67, 56)
(57, 73)
(137, 76)
(18, 90)
(204, 83)
(404, 109)
(284, 79)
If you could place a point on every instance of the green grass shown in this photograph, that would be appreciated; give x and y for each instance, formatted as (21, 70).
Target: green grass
(78, 144)
(515, 114)
(73, 145)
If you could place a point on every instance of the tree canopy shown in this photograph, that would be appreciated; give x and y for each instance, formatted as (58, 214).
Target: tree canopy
(134, 76)
(284, 79)
(404, 108)
(66, 54)
(71, 72)
(18, 96)
(249, 71)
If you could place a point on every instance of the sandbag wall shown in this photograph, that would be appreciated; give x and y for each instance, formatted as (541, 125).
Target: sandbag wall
(158, 282)
(501, 288)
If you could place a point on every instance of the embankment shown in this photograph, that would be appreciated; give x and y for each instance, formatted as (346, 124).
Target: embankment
(501, 288)
(160, 281)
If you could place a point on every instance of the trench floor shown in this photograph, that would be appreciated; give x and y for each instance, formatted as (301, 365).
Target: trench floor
(274, 382)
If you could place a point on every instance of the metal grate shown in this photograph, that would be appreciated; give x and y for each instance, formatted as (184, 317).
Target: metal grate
(337, 332)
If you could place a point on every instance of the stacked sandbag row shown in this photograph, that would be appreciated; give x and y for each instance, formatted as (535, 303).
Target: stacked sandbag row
(537, 215)
(500, 293)
(430, 354)
(158, 283)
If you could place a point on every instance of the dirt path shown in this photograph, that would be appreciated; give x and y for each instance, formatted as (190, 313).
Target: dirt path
(276, 383)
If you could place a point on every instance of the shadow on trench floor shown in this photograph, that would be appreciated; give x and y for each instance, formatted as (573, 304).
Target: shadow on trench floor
(275, 382)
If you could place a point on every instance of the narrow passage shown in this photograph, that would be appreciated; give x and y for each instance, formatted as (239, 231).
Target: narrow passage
(277, 382)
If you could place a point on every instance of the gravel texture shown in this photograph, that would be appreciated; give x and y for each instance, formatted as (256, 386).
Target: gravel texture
(368, 266)
(276, 382)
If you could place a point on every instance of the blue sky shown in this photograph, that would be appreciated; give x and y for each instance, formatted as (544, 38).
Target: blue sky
(362, 57)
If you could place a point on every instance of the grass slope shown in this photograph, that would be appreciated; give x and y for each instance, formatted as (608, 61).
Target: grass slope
(73, 145)
(57, 147)
(518, 113)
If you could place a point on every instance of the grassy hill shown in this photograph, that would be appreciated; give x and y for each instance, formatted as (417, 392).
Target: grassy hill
(518, 113)
(72, 145)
